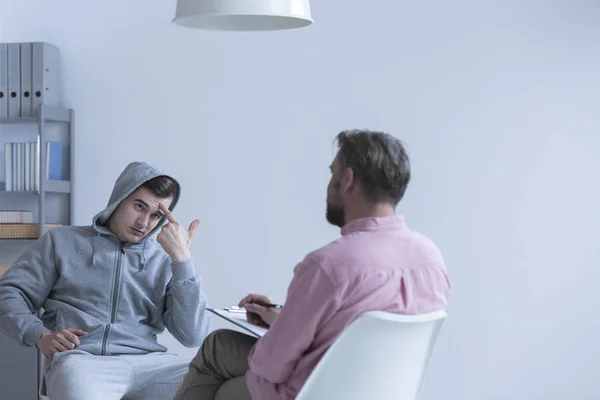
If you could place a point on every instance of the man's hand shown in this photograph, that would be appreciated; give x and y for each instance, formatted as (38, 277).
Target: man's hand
(66, 339)
(174, 239)
(259, 315)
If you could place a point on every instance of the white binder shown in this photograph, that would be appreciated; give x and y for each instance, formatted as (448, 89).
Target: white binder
(14, 80)
(34, 160)
(27, 167)
(3, 80)
(26, 77)
(18, 165)
(8, 170)
(45, 75)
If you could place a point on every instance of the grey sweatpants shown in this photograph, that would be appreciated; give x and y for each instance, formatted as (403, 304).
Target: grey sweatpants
(78, 375)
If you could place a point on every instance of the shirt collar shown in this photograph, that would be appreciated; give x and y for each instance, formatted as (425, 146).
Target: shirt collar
(373, 224)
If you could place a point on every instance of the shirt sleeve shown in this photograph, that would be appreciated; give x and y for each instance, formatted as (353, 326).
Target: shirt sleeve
(311, 301)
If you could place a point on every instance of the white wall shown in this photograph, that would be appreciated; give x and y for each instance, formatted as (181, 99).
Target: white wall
(499, 105)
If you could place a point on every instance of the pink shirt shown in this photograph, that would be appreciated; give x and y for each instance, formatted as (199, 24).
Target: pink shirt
(377, 264)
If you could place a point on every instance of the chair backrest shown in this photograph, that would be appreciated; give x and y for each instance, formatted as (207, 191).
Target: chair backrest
(379, 356)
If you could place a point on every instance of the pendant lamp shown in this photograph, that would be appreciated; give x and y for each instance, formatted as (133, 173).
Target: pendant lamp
(243, 15)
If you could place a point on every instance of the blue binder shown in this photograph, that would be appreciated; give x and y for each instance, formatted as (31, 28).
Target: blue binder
(54, 152)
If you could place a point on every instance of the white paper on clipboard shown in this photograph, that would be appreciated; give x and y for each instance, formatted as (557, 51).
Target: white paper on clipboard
(239, 318)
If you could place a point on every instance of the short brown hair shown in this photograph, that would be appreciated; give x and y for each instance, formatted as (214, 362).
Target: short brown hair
(380, 162)
(163, 187)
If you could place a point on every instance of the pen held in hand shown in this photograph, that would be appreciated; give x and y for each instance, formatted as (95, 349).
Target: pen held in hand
(267, 305)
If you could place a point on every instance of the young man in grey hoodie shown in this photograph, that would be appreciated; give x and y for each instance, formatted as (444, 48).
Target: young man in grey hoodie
(107, 290)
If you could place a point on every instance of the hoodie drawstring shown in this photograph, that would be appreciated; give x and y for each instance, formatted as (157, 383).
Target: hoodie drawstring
(143, 263)
(94, 250)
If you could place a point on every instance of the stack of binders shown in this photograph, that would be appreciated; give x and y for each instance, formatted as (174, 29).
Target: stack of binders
(16, 217)
(29, 76)
(21, 165)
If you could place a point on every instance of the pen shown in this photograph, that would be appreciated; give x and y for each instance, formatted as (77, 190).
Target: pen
(267, 305)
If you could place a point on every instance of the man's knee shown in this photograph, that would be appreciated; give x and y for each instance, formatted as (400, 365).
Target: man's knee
(217, 338)
(65, 378)
(209, 349)
(220, 335)
(222, 345)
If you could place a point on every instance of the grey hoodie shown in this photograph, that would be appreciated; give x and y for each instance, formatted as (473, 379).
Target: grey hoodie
(122, 294)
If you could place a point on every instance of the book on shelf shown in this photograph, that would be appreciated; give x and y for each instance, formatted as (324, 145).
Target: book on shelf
(21, 165)
(54, 161)
(16, 217)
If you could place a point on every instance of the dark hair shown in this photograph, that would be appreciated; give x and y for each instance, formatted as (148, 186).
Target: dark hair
(380, 162)
(163, 187)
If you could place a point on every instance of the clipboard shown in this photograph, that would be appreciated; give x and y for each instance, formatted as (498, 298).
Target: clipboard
(238, 317)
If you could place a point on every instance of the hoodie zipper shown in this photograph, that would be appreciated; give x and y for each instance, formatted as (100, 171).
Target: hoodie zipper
(113, 309)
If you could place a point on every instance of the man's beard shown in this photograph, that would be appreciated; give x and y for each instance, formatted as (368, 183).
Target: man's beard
(335, 215)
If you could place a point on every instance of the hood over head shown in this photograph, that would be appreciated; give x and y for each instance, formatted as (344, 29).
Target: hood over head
(132, 177)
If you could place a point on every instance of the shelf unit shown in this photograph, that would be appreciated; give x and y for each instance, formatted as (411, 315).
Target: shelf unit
(47, 116)
(53, 199)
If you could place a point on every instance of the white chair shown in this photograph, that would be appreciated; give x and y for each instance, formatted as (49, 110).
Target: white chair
(379, 356)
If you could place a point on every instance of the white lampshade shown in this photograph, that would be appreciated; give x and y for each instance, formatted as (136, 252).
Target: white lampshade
(243, 15)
